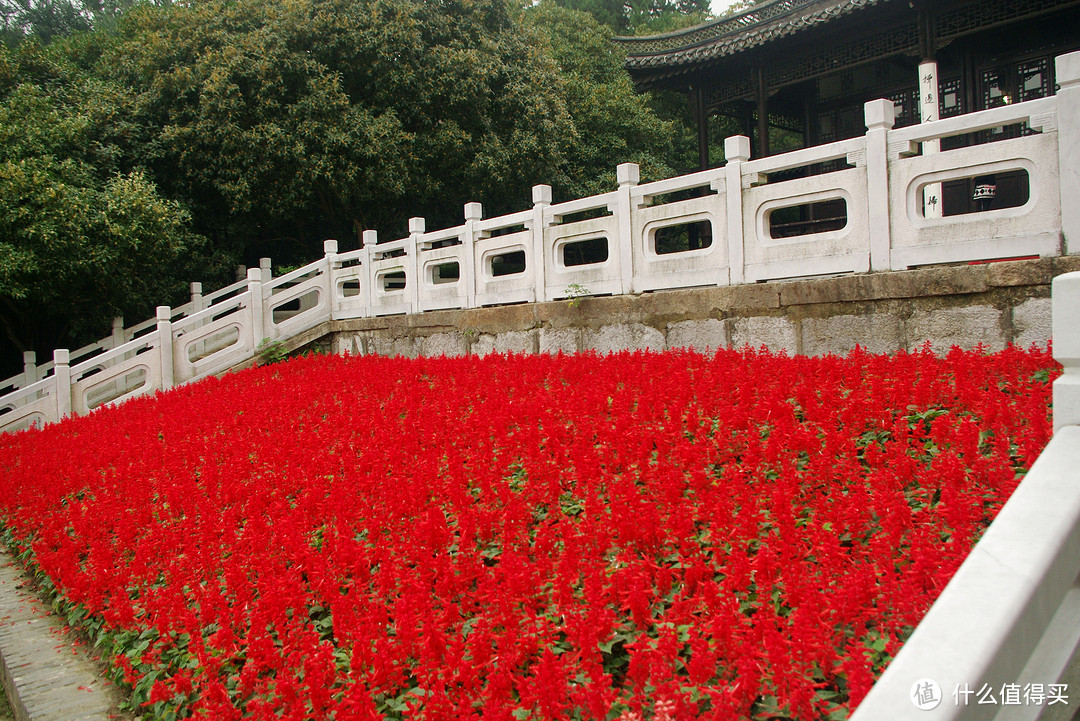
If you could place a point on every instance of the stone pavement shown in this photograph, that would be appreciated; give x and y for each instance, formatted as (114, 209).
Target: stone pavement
(46, 677)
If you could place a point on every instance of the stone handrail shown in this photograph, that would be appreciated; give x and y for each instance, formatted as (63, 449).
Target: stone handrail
(1006, 629)
(620, 242)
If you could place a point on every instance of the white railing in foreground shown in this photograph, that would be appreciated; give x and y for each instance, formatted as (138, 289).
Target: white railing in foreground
(1006, 629)
(730, 220)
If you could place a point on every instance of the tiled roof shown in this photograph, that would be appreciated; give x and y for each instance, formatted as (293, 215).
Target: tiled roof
(729, 35)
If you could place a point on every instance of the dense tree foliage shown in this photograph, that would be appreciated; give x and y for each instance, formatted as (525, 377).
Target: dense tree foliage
(609, 121)
(301, 120)
(83, 237)
(135, 131)
(641, 17)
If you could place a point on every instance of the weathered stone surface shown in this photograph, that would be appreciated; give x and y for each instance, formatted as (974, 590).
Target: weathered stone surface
(444, 344)
(553, 340)
(402, 346)
(748, 297)
(705, 336)
(877, 333)
(433, 319)
(964, 327)
(623, 336)
(509, 342)
(883, 286)
(774, 333)
(1031, 322)
(498, 319)
(348, 344)
(1018, 273)
(678, 305)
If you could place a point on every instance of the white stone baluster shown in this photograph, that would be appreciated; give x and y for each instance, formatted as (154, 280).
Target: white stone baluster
(541, 197)
(62, 379)
(255, 288)
(165, 346)
(330, 252)
(474, 213)
(197, 302)
(30, 374)
(880, 117)
(1065, 319)
(737, 152)
(417, 227)
(369, 238)
(629, 175)
(117, 338)
(1068, 118)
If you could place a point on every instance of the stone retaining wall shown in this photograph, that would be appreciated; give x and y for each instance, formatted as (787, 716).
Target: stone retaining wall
(993, 304)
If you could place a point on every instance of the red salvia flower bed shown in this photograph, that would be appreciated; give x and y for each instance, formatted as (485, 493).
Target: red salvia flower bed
(665, 536)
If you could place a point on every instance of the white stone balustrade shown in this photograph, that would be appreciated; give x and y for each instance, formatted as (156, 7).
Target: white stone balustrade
(620, 242)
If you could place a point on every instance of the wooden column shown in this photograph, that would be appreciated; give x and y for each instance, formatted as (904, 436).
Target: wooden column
(701, 119)
(762, 112)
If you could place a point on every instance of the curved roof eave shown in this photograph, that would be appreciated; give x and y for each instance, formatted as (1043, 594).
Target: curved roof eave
(730, 35)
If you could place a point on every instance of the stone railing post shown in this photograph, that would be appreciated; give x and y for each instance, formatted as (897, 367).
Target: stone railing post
(267, 270)
(629, 175)
(30, 374)
(1065, 321)
(928, 112)
(474, 213)
(369, 238)
(541, 197)
(118, 337)
(880, 117)
(255, 289)
(1068, 118)
(737, 152)
(417, 227)
(165, 346)
(197, 302)
(62, 379)
(330, 252)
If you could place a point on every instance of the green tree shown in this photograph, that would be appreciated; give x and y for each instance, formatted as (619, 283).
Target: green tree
(82, 237)
(47, 20)
(283, 122)
(641, 17)
(611, 123)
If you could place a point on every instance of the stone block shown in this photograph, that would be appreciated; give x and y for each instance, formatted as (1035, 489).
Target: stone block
(553, 340)
(1065, 264)
(839, 334)
(393, 346)
(444, 344)
(1031, 322)
(705, 336)
(622, 336)
(347, 344)
(963, 327)
(1018, 273)
(776, 334)
(671, 305)
(498, 319)
(517, 341)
